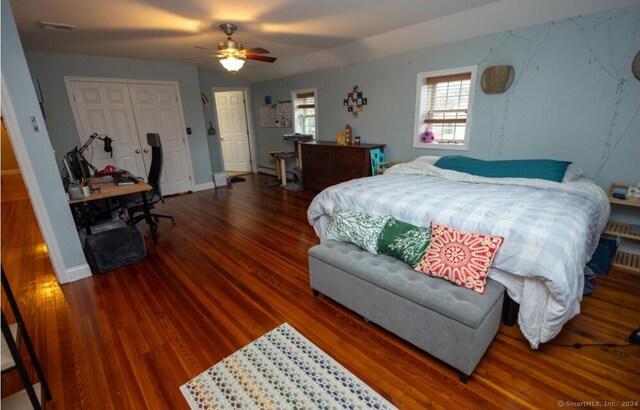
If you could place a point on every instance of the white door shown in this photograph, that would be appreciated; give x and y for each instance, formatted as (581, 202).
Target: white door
(234, 137)
(105, 108)
(157, 110)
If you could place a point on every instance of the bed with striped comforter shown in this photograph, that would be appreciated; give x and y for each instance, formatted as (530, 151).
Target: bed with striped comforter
(550, 229)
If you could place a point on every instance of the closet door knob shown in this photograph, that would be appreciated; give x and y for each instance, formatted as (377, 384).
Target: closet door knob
(146, 150)
(137, 151)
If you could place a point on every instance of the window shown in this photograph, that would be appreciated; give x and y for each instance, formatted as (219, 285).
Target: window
(443, 106)
(304, 111)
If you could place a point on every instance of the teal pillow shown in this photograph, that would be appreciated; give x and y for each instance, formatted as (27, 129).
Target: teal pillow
(548, 169)
(360, 229)
(404, 241)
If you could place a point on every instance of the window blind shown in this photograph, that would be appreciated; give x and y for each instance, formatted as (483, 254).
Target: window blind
(448, 99)
(305, 111)
(305, 100)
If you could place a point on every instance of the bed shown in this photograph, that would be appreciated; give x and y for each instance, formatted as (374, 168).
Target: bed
(550, 229)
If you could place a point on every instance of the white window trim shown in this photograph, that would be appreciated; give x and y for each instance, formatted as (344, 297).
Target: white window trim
(419, 120)
(293, 106)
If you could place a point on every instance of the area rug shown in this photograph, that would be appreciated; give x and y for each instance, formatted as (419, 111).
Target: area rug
(280, 370)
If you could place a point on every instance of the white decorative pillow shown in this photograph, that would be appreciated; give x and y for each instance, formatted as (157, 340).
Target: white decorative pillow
(572, 173)
(358, 228)
(429, 159)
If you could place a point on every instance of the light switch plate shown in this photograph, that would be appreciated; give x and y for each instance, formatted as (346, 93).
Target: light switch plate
(35, 125)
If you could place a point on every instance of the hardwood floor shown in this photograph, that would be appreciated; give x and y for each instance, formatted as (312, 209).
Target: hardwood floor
(234, 267)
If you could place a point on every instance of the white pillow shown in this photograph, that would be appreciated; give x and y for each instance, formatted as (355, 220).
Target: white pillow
(429, 159)
(572, 173)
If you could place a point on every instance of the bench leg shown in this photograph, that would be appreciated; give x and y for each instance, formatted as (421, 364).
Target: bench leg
(464, 378)
(315, 292)
(509, 310)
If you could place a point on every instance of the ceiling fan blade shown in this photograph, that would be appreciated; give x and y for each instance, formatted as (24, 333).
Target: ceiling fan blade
(202, 57)
(205, 48)
(261, 58)
(194, 58)
(258, 50)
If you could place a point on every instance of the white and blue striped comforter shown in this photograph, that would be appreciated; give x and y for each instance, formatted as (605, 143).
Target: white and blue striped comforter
(550, 229)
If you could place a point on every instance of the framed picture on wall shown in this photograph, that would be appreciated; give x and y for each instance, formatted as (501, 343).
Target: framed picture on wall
(268, 116)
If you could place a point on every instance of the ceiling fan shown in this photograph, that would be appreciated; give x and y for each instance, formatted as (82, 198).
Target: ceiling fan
(234, 53)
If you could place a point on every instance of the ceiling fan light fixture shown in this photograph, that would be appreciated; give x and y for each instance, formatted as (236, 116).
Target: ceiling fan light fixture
(232, 64)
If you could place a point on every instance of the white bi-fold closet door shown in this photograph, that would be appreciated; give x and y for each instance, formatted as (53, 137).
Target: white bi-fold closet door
(126, 111)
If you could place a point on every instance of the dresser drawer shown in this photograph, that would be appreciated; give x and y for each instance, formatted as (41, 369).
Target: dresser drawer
(315, 154)
(316, 180)
(347, 156)
(345, 172)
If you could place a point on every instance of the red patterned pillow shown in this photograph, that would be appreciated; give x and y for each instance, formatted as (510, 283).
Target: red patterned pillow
(461, 258)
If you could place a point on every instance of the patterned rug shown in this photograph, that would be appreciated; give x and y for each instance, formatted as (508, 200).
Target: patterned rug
(280, 370)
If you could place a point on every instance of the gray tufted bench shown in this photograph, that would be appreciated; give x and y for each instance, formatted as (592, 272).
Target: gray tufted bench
(452, 323)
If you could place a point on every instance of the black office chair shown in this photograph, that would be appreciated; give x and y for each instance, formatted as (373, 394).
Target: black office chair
(134, 203)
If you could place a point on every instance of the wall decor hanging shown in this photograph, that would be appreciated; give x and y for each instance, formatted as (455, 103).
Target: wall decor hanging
(354, 101)
(285, 116)
(269, 116)
(497, 79)
(635, 67)
(276, 115)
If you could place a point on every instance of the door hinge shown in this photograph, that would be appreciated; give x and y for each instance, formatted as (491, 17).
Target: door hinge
(74, 97)
(189, 177)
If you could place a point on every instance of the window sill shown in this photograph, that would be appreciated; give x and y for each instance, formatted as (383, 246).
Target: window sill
(449, 147)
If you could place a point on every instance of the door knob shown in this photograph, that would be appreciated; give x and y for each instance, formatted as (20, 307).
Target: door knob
(137, 151)
(146, 150)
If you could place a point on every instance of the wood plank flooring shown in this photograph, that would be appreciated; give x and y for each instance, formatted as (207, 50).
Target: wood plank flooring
(234, 267)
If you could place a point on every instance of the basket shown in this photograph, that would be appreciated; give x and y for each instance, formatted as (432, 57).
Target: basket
(635, 67)
(497, 79)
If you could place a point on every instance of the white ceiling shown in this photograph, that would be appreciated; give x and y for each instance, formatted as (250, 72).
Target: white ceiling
(305, 35)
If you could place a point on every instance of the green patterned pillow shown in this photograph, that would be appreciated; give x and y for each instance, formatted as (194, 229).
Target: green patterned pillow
(358, 228)
(404, 241)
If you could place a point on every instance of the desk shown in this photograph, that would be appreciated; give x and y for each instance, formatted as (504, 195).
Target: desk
(109, 189)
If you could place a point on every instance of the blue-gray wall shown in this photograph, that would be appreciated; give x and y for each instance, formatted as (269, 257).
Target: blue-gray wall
(50, 68)
(16, 79)
(561, 106)
(208, 80)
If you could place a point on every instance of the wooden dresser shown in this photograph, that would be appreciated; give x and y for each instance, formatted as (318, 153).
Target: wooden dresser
(324, 163)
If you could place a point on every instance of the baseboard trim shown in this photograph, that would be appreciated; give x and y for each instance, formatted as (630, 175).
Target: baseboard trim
(76, 273)
(268, 171)
(205, 186)
(10, 171)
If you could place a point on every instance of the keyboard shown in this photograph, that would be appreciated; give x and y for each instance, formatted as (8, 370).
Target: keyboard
(121, 180)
